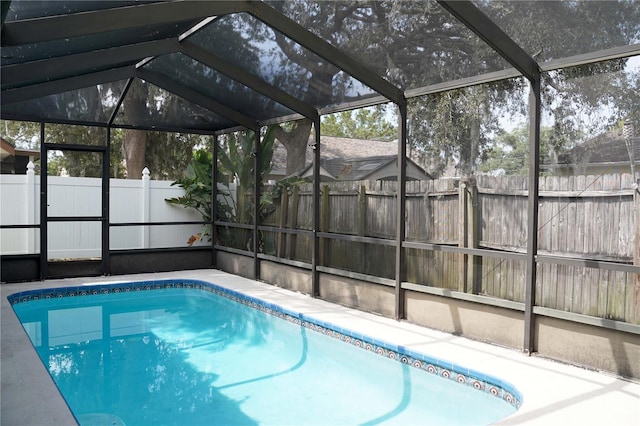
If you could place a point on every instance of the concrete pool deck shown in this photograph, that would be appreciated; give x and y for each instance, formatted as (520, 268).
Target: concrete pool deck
(553, 392)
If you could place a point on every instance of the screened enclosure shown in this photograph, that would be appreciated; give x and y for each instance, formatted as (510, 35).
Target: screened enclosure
(189, 134)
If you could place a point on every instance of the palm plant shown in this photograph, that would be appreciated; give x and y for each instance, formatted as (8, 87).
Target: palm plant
(236, 165)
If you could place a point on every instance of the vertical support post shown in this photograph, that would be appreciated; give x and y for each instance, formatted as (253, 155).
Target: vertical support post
(532, 216)
(401, 208)
(31, 206)
(214, 200)
(256, 205)
(106, 179)
(146, 199)
(315, 252)
(635, 317)
(43, 206)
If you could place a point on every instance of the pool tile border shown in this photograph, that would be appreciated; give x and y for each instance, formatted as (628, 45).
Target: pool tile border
(468, 377)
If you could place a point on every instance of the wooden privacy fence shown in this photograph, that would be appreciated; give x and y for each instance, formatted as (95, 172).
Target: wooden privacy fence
(584, 217)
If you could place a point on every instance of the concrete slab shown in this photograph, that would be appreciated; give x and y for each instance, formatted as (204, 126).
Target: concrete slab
(553, 393)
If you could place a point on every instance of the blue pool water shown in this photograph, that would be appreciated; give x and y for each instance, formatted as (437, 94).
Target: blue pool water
(186, 356)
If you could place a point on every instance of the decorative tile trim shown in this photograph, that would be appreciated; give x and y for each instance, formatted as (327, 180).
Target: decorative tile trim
(446, 370)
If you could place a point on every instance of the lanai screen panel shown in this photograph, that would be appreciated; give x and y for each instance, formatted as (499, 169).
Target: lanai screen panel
(412, 44)
(28, 9)
(188, 72)
(250, 44)
(92, 42)
(90, 105)
(151, 107)
(551, 30)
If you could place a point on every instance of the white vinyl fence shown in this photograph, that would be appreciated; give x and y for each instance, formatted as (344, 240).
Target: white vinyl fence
(130, 201)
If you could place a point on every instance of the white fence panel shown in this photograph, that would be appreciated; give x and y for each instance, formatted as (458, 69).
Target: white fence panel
(130, 201)
(19, 206)
(74, 196)
(126, 205)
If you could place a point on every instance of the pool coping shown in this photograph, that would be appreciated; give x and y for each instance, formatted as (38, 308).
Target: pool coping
(553, 392)
(480, 381)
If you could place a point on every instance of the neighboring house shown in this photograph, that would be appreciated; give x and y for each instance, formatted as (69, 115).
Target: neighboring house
(604, 154)
(383, 167)
(14, 161)
(350, 159)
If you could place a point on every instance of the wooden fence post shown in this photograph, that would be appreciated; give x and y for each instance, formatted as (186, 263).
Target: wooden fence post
(293, 222)
(324, 225)
(361, 225)
(463, 229)
(473, 235)
(469, 267)
(284, 209)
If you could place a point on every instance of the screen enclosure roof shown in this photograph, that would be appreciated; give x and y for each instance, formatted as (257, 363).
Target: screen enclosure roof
(216, 66)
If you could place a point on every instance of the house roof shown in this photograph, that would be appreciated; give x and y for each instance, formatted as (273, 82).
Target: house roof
(382, 167)
(7, 150)
(608, 148)
(336, 148)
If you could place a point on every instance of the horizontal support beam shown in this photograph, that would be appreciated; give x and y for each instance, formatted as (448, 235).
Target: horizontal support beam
(190, 222)
(587, 58)
(74, 147)
(586, 263)
(474, 298)
(40, 90)
(463, 82)
(588, 320)
(83, 63)
(465, 250)
(48, 28)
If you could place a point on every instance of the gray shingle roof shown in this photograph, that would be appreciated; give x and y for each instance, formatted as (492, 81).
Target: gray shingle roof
(334, 147)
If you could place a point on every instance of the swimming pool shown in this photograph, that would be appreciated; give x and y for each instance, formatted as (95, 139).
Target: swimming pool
(187, 352)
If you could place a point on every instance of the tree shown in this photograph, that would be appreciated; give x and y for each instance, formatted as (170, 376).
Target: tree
(134, 147)
(364, 123)
(413, 44)
(294, 137)
(509, 152)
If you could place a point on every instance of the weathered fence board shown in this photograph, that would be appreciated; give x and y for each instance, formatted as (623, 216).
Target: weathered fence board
(590, 217)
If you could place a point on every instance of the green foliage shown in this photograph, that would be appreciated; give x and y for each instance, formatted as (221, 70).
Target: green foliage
(236, 165)
(509, 153)
(364, 123)
(169, 154)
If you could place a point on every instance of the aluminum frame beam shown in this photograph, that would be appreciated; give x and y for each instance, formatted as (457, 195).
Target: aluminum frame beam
(532, 216)
(335, 56)
(4, 6)
(467, 13)
(255, 83)
(83, 63)
(197, 98)
(401, 208)
(48, 28)
(48, 88)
